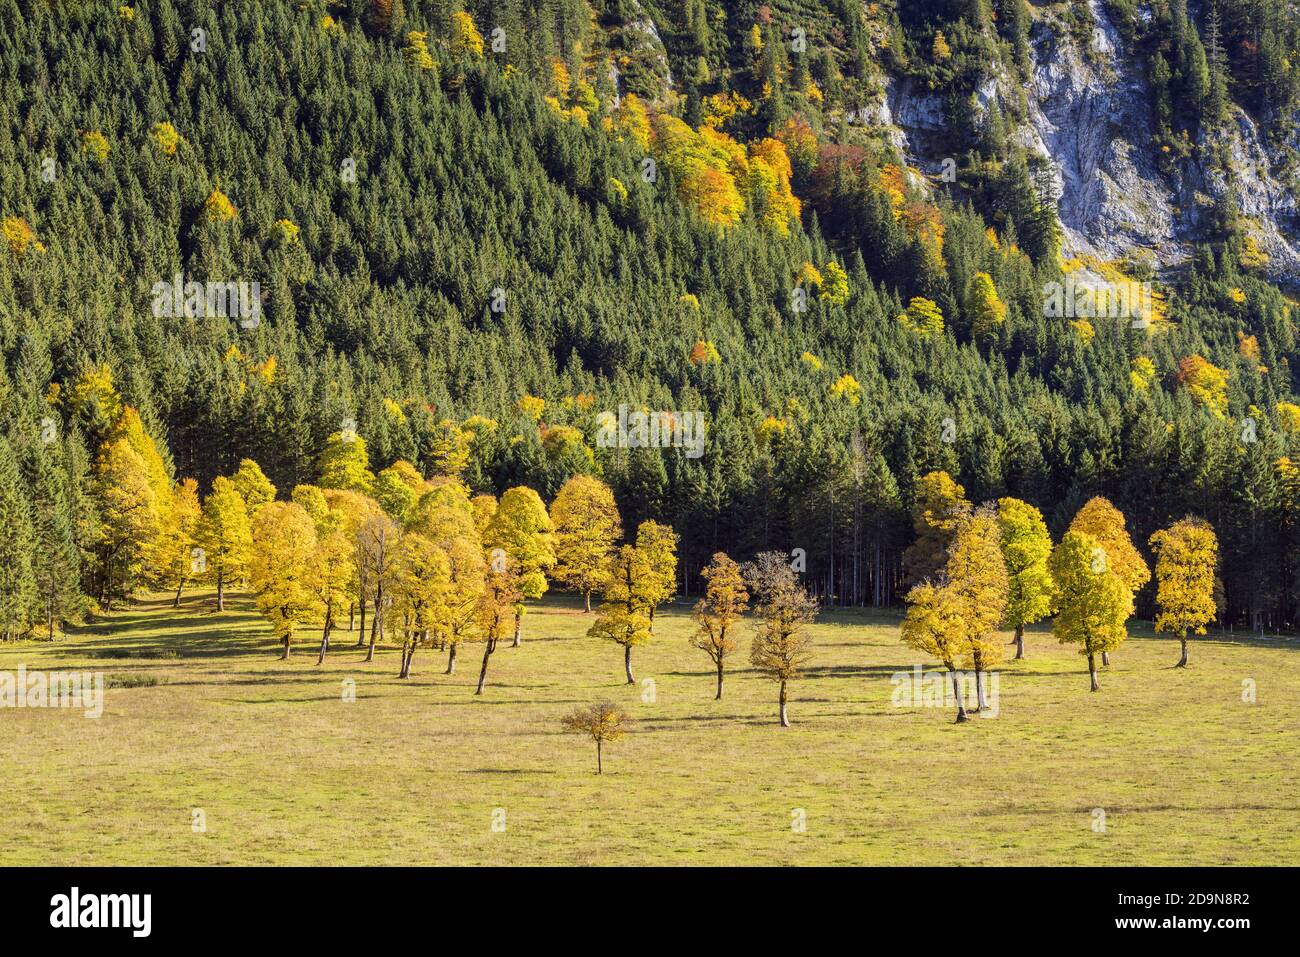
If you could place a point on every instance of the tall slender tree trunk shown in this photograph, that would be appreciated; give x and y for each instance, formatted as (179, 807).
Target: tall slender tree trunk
(1092, 670)
(599, 768)
(978, 661)
(785, 715)
(627, 663)
(1182, 662)
(176, 602)
(451, 660)
(956, 690)
(285, 655)
(361, 635)
(408, 652)
(586, 601)
(518, 614)
(719, 695)
(374, 625)
(1105, 659)
(324, 641)
(352, 614)
(221, 592)
(1019, 642)
(482, 674)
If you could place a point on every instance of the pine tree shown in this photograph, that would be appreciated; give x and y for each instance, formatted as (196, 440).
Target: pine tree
(17, 540)
(56, 559)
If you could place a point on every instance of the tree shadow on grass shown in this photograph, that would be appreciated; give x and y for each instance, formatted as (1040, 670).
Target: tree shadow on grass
(507, 771)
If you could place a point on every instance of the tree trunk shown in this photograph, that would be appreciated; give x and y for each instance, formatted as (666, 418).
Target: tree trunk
(1182, 662)
(981, 704)
(408, 651)
(324, 642)
(518, 615)
(361, 635)
(374, 628)
(785, 717)
(221, 592)
(285, 656)
(586, 601)
(627, 663)
(1020, 642)
(176, 603)
(1105, 659)
(599, 768)
(482, 674)
(451, 660)
(956, 690)
(1092, 670)
(352, 614)
(719, 695)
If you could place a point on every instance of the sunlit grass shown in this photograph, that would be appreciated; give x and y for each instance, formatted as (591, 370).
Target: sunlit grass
(286, 771)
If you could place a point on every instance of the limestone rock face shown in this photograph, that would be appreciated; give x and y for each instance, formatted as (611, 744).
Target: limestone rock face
(1090, 112)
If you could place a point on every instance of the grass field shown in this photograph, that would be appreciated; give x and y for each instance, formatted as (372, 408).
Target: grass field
(416, 771)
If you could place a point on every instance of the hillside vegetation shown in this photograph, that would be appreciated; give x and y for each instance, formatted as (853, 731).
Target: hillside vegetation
(469, 245)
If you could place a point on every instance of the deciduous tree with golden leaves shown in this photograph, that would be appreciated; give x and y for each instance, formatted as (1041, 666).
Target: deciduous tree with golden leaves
(496, 607)
(784, 610)
(717, 614)
(1104, 522)
(282, 568)
(602, 722)
(521, 528)
(225, 535)
(977, 575)
(1187, 556)
(622, 618)
(933, 627)
(345, 463)
(420, 585)
(1093, 602)
(586, 525)
(1026, 548)
(939, 506)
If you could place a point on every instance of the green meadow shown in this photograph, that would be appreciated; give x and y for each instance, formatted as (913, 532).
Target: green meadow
(203, 724)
